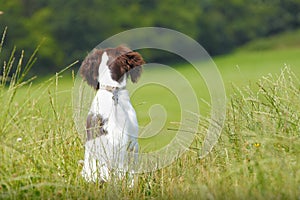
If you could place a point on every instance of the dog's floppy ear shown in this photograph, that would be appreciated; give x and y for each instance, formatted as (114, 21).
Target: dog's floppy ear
(135, 61)
(90, 66)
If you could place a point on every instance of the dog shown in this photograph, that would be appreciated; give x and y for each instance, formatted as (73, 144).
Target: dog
(111, 128)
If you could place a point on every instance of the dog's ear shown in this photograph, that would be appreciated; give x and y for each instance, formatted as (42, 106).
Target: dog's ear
(135, 61)
(126, 61)
(90, 66)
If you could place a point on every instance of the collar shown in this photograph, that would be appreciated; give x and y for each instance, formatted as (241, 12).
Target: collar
(114, 90)
(109, 88)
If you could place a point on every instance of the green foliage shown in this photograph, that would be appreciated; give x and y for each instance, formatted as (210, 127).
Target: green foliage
(70, 29)
(230, 23)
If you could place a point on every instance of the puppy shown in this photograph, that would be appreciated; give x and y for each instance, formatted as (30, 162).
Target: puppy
(112, 129)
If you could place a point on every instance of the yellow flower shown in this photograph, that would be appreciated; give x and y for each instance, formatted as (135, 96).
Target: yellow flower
(256, 144)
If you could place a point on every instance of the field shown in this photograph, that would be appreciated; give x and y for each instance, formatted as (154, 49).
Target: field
(256, 157)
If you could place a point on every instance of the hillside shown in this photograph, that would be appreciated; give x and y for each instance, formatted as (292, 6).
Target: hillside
(260, 57)
(285, 40)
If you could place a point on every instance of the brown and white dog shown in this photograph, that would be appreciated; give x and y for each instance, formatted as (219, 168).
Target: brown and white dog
(111, 127)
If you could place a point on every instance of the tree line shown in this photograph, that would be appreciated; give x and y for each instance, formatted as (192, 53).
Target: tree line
(68, 29)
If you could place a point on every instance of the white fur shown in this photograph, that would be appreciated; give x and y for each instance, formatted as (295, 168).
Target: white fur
(110, 151)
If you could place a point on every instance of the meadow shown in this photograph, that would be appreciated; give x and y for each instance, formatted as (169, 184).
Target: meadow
(256, 157)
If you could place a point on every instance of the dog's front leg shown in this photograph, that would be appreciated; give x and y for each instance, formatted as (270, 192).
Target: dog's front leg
(89, 171)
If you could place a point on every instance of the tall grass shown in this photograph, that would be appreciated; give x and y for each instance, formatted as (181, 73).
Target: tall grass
(257, 156)
(35, 134)
(261, 138)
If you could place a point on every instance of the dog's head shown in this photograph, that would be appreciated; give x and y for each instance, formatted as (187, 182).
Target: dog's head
(114, 62)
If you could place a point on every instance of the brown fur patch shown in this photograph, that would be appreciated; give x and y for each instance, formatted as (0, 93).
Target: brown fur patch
(94, 126)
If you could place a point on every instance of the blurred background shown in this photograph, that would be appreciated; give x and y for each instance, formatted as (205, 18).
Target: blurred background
(68, 30)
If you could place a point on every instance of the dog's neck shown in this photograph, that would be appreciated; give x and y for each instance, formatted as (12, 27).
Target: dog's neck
(104, 77)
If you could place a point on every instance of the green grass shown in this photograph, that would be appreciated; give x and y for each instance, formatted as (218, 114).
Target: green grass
(242, 66)
(257, 156)
(242, 69)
